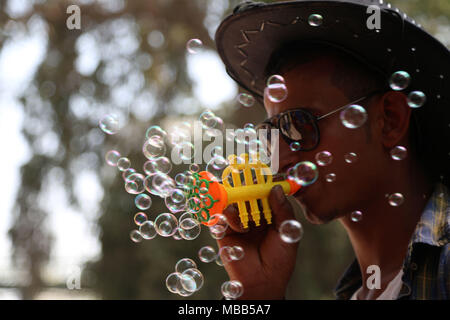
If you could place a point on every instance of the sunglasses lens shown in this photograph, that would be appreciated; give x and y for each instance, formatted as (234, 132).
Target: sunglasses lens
(299, 126)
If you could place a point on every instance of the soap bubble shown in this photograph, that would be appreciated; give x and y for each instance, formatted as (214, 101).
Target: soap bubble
(176, 201)
(295, 146)
(109, 124)
(143, 201)
(237, 253)
(154, 147)
(304, 173)
(140, 218)
(331, 177)
(291, 231)
(351, 157)
(315, 20)
(194, 46)
(166, 224)
(232, 289)
(216, 166)
(123, 163)
(225, 253)
(160, 164)
(219, 261)
(246, 99)
(356, 216)
(159, 184)
(399, 80)
(324, 158)
(396, 199)
(147, 230)
(135, 236)
(112, 157)
(207, 254)
(353, 116)
(276, 89)
(173, 282)
(399, 153)
(155, 131)
(208, 119)
(127, 173)
(192, 279)
(221, 224)
(189, 229)
(134, 184)
(194, 167)
(185, 264)
(181, 179)
(216, 234)
(416, 99)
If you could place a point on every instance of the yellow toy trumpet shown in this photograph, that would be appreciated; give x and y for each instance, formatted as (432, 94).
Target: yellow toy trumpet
(216, 196)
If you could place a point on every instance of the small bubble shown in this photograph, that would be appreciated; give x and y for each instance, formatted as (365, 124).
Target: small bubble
(173, 282)
(192, 280)
(109, 124)
(166, 225)
(291, 231)
(324, 158)
(356, 216)
(155, 131)
(154, 147)
(194, 46)
(225, 254)
(245, 99)
(399, 80)
(207, 254)
(135, 236)
(353, 116)
(237, 253)
(112, 157)
(185, 264)
(295, 146)
(143, 201)
(232, 289)
(147, 230)
(194, 167)
(399, 153)
(416, 99)
(140, 218)
(304, 173)
(276, 89)
(315, 20)
(396, 199)
(123, 163)
(351, 157)
(331, 177)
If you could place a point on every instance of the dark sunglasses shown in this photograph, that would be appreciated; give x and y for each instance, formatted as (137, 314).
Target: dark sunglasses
(300, 125)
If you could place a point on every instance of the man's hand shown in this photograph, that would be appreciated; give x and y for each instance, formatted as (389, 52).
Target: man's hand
(268, 262)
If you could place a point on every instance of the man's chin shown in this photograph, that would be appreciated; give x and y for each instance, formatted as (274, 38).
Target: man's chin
(313, 217)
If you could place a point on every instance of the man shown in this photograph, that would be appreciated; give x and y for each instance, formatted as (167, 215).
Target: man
(329, 58)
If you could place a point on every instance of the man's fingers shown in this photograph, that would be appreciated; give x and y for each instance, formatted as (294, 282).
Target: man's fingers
(281, 207)
(232, 215)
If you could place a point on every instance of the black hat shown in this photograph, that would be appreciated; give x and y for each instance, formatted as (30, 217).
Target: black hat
(248, 37)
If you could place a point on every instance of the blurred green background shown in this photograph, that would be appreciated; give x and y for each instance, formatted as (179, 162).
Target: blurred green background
(62, 207)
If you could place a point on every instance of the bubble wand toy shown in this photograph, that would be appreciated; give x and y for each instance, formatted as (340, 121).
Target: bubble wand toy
(208, 197)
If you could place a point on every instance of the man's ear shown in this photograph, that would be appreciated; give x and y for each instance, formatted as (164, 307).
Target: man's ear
(394, 117)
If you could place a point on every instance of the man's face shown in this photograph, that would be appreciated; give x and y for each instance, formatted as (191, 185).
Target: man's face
(309, 86)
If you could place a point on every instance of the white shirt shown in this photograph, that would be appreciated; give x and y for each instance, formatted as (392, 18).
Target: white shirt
(391, 292)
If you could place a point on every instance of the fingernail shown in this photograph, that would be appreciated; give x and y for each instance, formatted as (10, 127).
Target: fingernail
(279, 192)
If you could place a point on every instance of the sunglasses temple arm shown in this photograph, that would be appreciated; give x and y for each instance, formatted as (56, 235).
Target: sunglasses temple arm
(339, 109)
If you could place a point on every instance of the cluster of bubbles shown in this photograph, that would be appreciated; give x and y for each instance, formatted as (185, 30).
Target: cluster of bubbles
(401, 80)
(228, 254)
(187, 278)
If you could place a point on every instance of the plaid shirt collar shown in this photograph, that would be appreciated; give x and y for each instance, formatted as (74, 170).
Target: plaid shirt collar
(432, 229)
